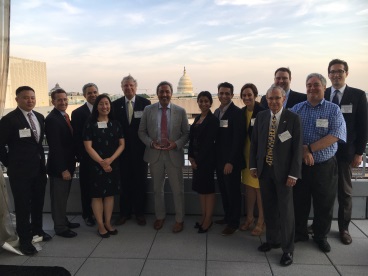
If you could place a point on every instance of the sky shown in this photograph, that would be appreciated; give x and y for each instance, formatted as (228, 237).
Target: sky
(238, 41)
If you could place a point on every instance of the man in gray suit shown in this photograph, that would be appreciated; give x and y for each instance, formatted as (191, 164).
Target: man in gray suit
(164, 129)
(276, 159)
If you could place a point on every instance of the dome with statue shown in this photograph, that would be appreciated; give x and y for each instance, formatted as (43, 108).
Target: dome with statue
(185, 86)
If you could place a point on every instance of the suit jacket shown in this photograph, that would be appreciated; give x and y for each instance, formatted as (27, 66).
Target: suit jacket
(230, 140)
(61, 147)
(24, 156)
(293, 99)
(257, 108)
(179, 132)
(287, 155)
(134, 147)
(356, 123)
(79, 119)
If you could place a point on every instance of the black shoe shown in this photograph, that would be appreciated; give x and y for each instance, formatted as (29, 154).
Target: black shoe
(323, 245)
(286, 259)
(27, 249)
(73, 225)
(106, 235)
(201, 230)
(265, 247)
(221, 221)
(141, 220)
(197, 225)
(89, 221)
(122, 220)
(67, 234)
(44, 235)
(300, 238)
(114, 232)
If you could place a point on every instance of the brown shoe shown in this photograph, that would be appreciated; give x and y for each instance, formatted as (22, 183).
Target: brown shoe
(228, 231)
(345, 237)
(141, 220)
(122, 220)
(157, 225)
(178, 227)
(220, 221)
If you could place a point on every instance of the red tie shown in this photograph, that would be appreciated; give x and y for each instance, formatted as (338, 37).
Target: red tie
(66, 116)
(164, 134)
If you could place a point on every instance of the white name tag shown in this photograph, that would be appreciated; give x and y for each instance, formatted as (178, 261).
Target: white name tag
(284, 136)
(224, 123)
(138, 114)
(322, 123)
(252, 121)
(102, 124)
(24, 133)
(347, 108)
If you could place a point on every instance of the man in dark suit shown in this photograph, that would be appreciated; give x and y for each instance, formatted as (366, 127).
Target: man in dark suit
(60, 162)
(353, 105)
(79, 118)
(283, 79)
(275, 158)
(229, 157)
(22, 130)
(128, 110)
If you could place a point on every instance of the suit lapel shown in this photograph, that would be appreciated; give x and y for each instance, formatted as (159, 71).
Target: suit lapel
(346, 97)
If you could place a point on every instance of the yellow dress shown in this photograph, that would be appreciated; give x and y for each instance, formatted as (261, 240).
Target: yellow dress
(247, 179)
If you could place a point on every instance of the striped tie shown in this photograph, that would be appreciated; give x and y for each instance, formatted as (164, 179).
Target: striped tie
(33, 126)
(271, 141)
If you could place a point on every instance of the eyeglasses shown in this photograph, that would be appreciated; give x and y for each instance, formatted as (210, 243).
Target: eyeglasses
(338, 72)
(273, 98)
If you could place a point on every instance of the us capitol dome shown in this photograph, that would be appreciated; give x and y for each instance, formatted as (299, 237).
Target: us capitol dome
(185, 86)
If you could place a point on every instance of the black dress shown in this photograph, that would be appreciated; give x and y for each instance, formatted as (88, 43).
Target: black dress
(105, 141)
(202, 149)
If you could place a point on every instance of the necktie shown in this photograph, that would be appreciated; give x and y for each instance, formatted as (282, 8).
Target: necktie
(33, 126)
(335, 99)
(164, 134)
(130, 111)
(67, 119)
(271, 141)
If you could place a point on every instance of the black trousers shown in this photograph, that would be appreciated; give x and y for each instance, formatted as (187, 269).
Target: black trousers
(319, 182)
(29, 196)
(85, 183)
(344, 194)
(229, 186)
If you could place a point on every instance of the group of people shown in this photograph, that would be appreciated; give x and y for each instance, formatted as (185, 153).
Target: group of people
(287, 150)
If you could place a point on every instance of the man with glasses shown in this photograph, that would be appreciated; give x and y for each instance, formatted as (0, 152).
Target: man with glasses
(353, 105)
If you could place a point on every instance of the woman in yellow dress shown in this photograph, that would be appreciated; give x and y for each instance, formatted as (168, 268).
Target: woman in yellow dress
(248, 94)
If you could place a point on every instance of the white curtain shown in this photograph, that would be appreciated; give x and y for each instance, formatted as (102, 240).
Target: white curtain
(4, 50)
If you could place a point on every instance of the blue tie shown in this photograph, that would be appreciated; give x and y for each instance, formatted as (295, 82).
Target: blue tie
(335, 99)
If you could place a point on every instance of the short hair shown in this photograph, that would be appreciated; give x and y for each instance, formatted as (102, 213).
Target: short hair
(94, 114)
(23, 88)
(338, 61)
(205, 94)
(88, 85)
(252, 87)
(226, 85)
(129, 78)
(283, 69)
(273, 87)
(164, 83)
(57, 91)
(317, 75)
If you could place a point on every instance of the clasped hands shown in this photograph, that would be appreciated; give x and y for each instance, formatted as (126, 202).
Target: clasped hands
(170, 145)
(105, 164)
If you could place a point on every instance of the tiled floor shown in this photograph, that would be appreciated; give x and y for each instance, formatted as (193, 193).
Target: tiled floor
(138, 250)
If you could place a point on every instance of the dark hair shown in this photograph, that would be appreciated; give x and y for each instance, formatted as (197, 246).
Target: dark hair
(226, 85)
(23, 88)
(88, 85)
(164, 83)
(94, 114)
(338, 61)
(252, 87)
(205, 94)
(284, 69)
(57, 91)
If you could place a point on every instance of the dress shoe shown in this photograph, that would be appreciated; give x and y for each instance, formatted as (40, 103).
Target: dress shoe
(27, 249)
(157, 225)
(286, 259)
(201, 230)
(178, 227)
(113, 232)
(122, 220)
(67, 234)
(105, 236)
(300, 238)
(197, 225)
(221, 221)
(141, 220)
(44, 235)
(265, 247)
(345, 237)
(323, 245)
(73, 225)
(89, 221)
(228, 231)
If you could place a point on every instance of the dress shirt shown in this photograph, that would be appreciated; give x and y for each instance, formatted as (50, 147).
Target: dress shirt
(311, 133)
(277, 115)
(126, 104)
(35, 120)
(90, 106)
(223, 110)
(342, 89)
(286, 97)
(159, 115)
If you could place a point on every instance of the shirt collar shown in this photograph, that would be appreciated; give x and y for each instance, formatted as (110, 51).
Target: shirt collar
(278, 114)
(90, 106)
(132, 100)
(342, 89)
(25, 113)
(160, 106)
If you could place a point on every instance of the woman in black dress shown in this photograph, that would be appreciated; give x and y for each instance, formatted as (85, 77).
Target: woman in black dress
(104, 142)
(202, 158)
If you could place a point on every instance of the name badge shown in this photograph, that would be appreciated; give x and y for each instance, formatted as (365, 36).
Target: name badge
(24, 133)
(252, 121)
(102, 124)
(284, 136)
(348, 108)
(138, 114)
(322, 123)
(224, 123)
